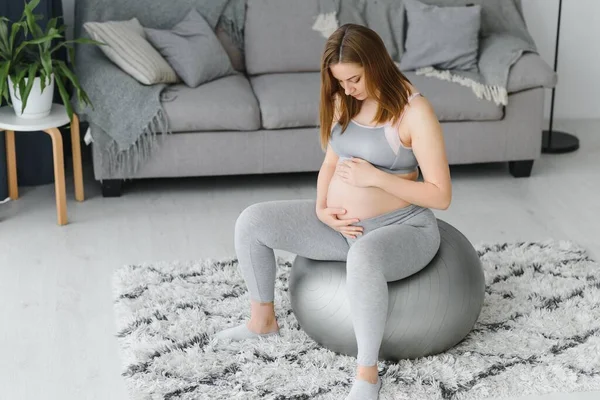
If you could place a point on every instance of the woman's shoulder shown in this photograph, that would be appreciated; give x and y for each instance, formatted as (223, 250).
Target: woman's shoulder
(412, 95)
(413, 92)
(418, 107)
(411, 88)
(416, 100)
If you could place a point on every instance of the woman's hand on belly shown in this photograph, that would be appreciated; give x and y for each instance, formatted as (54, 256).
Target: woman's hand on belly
(356, 172)
(330, 216)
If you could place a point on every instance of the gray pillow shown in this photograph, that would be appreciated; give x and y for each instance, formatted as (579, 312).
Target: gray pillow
(441, 37)
(192, 49)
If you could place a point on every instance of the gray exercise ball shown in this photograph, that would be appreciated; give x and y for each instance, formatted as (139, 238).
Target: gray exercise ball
(428, 313)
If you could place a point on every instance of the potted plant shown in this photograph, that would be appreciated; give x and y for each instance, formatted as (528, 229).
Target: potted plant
(28, 69)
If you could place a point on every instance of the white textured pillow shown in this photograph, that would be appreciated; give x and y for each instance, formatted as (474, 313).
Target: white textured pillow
(127, 46)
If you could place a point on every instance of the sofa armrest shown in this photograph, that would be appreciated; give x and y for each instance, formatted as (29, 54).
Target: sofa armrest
(530, 71)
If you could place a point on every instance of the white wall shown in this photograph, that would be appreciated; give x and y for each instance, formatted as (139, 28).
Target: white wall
(578, 90)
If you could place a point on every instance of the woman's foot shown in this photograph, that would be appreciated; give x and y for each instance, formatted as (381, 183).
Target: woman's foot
(365, 390)
(262, 323)
(249, 330)
(367, 384)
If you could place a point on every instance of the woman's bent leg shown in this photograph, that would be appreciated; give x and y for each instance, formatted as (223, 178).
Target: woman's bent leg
(289, 225)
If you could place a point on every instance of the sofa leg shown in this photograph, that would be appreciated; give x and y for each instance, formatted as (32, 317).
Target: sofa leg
(520, 169)
(112, 187)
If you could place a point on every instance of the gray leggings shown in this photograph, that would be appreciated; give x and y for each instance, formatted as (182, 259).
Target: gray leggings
(393, 246)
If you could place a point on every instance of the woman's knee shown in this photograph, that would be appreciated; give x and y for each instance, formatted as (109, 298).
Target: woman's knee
(363, 259)
(250, 220)
(249, 216)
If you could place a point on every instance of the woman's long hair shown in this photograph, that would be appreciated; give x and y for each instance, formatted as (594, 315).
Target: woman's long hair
(384, 82)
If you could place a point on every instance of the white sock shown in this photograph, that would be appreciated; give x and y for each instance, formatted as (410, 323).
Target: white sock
(241, 332)
(363, 390)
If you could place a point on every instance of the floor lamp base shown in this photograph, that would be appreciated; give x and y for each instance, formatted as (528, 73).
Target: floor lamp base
(562, 142)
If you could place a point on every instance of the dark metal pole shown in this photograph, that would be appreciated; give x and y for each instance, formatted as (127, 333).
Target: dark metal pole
(563, 142)
(555, 69)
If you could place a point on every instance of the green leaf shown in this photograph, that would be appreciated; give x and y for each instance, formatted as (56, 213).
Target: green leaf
(22, 91)
(67, 72)
(44, 39)
(52, 33)
(51, 24)
(4, 67)
(13, 34)
(71, 54)
(46, 59)
(4, 43)
(64, 69)
(21, 47)
(85, 100)
(17, 82)
(59, 46)
(21, 74)
(43, 79)
(33, 4)
(82, 96)
(30, 81)
(67, 43)
(88, 41)
(64, 95)
(36, 31)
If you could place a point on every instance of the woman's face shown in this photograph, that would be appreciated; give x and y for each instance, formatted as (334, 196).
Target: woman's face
(351, 78)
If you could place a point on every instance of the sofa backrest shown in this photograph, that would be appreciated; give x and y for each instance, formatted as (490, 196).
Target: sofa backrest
(278, 36)
(158, 14)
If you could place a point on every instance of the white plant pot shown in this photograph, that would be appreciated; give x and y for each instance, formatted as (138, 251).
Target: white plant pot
(39, 103)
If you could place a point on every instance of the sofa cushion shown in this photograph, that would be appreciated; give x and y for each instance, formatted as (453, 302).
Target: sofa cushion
(442, 37)
(292, 100)
(223, 104)
(530, 71)
(288, 100)
(453, 102)
(192, 49)
(278, 36)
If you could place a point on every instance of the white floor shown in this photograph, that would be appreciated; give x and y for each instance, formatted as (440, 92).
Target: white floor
(56, 316)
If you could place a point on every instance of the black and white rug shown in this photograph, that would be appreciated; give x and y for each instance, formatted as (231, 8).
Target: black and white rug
(539, 332)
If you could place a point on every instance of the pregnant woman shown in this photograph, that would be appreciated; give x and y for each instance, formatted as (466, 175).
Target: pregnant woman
(370, 210)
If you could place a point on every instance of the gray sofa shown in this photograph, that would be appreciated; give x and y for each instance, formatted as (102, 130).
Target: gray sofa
(265, 118)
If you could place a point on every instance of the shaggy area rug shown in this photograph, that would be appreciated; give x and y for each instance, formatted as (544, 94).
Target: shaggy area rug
(539, 332)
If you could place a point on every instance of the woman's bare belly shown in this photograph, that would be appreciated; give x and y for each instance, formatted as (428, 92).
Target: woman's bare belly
(363, 203)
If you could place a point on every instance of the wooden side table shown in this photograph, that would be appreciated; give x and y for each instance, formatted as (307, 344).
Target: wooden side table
(58, 117)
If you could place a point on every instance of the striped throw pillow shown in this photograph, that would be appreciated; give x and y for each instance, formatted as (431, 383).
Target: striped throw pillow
(127, 46)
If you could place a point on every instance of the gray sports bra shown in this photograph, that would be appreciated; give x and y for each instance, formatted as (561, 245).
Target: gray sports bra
(379, 145)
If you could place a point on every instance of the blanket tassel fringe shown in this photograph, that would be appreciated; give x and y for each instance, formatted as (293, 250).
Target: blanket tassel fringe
(490, 92)
(125, 163)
